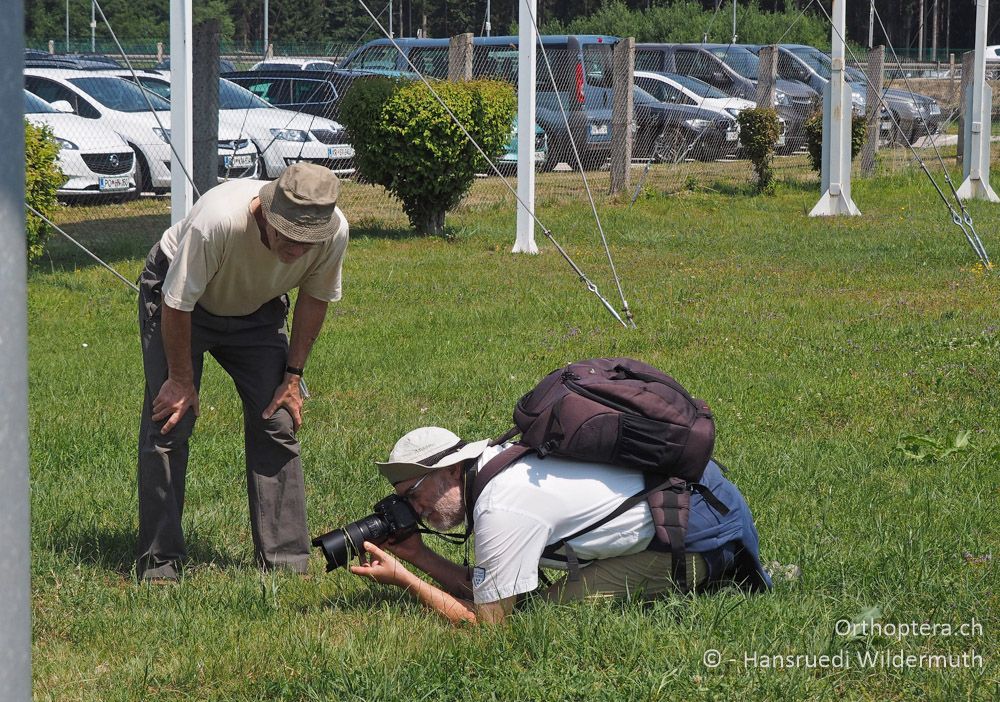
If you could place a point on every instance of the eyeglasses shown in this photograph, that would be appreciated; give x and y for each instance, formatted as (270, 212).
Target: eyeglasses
(412, 490)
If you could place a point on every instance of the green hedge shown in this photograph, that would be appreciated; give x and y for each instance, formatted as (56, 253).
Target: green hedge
(42, 178)
(405, 141)
(814, 137)
(759, 132)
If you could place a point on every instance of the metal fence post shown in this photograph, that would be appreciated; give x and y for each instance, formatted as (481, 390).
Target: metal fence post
(205, 94)
(15, 556)
(968, 68)
(767, 72)
(622, 113)
(876, 62)
(460, 57)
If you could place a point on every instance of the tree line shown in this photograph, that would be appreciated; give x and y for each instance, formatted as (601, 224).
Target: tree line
(946, 25)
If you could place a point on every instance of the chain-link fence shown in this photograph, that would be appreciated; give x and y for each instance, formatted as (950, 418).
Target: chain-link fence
(280, 105)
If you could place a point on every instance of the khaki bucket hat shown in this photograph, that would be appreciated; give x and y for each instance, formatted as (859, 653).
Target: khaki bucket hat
(302, 203)
(425, 450)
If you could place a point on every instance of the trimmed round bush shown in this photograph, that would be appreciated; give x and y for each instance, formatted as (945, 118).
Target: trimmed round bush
(759, 132)
(405, 141)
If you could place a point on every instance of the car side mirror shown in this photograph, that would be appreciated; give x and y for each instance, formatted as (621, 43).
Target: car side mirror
(63, 106)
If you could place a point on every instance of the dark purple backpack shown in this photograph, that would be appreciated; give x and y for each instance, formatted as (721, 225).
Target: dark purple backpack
(626, 413)
(618, 411)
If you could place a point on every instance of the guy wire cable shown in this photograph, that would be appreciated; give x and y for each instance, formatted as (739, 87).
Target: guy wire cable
(148, 103)
(81, 246)
(957, 219)
(548, 234)
(583, 173)
(977, 244)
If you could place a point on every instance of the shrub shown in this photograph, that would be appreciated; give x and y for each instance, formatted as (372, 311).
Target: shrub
(42, 178)
(814, 137)
(405, 141)
(759, 132)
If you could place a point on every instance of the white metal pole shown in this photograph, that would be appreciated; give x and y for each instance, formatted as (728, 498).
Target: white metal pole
(489, 27)
(390, 19)
(181, 121)
(734, 21)
(266, 33)
(979, 123)
(93, 29)
(835, 177)
(15, 554)
(527, 50)
(66, 50)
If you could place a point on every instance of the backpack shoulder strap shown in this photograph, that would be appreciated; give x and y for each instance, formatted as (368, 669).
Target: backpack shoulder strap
(489, 471)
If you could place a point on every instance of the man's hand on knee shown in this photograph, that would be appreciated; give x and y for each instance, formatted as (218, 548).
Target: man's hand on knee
(287, 395)
(173, 401)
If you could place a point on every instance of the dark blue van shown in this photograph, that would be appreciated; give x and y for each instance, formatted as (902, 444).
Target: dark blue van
(581, 65)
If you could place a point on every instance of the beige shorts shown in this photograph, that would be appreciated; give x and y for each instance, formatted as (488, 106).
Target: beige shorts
(645, 574)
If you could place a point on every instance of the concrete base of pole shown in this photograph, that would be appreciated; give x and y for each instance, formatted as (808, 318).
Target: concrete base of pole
(976, 163)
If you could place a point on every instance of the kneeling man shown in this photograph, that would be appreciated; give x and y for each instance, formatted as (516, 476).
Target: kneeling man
(535, 503)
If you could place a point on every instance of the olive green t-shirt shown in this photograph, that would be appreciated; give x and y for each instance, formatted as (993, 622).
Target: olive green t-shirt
(217, 258)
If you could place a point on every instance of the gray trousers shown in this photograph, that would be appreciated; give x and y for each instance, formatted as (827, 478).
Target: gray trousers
(253, 351)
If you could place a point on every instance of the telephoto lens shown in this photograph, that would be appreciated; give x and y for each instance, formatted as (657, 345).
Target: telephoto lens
(393, 520)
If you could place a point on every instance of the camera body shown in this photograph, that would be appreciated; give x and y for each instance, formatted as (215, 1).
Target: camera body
(392, 520)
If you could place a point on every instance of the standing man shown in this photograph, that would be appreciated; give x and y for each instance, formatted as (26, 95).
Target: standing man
(217, 282)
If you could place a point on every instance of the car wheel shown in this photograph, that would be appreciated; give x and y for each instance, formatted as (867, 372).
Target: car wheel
(143, 183)
(559, 152)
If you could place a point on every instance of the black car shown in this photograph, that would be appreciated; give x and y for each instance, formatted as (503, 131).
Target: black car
(225, 66)
(313, 92)
(733, 70)
(671, 132)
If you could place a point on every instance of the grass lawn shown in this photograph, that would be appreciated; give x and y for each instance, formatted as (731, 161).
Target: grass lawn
(844, 359)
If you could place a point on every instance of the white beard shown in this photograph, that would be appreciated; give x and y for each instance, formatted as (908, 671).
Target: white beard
(448, 512)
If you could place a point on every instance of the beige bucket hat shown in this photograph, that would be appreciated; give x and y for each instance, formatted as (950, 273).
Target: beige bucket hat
(302, 203)
(425, 450)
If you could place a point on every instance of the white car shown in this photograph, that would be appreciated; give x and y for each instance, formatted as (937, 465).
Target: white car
(282, 137)
(685, 90)
(303, 64)
(125, 108)
(94, 160)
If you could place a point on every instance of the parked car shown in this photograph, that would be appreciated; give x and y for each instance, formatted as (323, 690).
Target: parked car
(294, 64)
(93, 159)
(917, 114)
(125, 108)
(313, 92)
(282, 137)
(508, 160)
(580, 64)
(672, 132)
(80, 62)
(677, 89)
(733, 70)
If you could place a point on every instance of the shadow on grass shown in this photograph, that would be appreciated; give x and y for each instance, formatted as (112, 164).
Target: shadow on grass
(374, 229)
(112, 240)
(114, 548)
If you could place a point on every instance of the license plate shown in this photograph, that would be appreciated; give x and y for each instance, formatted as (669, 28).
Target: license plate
(238, 161)
(732, 136)
(108, 183)
(340, 152)
(539, 155)
(781, 140)
(598, 130)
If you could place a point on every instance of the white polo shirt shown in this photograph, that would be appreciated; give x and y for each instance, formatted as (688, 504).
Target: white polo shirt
(535, 502)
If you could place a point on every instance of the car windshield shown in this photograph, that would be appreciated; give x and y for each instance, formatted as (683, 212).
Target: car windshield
(641, 97)
(118, 94)
(235, 97)
(823, 64)
(698, 87)
(739, 59)
(34, 105)
(231, 96)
